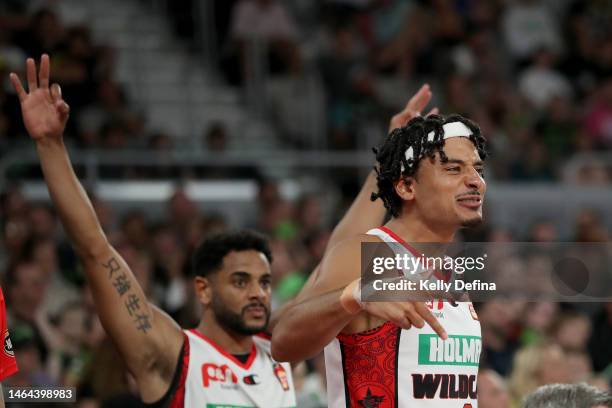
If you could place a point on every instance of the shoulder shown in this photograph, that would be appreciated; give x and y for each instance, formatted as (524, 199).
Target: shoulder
(263, 341)
(353, 244)
(342, 264)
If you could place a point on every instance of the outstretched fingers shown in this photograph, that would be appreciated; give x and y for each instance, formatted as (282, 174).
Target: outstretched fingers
(419, 101)
(431, 320)
(21, 93)
(413, 108)
(43, 75)
(31, 75)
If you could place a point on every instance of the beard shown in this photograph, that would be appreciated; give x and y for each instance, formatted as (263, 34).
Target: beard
(472, 222)
(235, 322)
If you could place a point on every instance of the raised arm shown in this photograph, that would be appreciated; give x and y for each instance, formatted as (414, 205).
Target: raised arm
(148, 340)
(363, 214)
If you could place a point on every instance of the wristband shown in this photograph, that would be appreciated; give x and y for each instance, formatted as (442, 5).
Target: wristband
(350, 299)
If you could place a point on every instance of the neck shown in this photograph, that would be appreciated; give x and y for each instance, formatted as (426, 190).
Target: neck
(231, 342)
(415, 229)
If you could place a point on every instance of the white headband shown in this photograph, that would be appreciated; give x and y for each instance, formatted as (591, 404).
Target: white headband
(451, 129)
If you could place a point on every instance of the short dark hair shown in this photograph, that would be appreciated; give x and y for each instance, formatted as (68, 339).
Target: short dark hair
(208, 256)
(567, 396)
(391, 153)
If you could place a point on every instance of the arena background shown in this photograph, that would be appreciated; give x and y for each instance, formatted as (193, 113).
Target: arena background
(190, 117)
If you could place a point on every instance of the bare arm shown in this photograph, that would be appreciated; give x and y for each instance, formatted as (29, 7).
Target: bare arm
(148, 340)
(329, 307)
(363, 214)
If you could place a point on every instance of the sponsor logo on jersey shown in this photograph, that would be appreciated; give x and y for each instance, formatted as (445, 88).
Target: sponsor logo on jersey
(8, 346)
(281, 375)
(215, 373)
(252, 379)
(435, 304)
(457, 350)
(370, 400)
(444, 386)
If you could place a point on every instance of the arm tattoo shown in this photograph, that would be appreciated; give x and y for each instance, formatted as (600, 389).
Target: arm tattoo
(123, 284)
(113, 266)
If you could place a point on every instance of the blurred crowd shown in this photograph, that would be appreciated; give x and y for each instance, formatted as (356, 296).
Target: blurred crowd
(58, 338)
(533, 74)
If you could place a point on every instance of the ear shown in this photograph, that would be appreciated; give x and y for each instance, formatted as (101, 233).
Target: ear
(203, 290)
(404, 188)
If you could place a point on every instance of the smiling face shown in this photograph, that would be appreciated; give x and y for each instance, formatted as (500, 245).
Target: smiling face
(449, 193)
(238, 294)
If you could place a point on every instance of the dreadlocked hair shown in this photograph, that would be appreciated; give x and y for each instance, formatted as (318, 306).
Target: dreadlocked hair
(391, 153)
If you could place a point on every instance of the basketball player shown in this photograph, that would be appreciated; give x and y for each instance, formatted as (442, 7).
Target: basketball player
(430, 180)
(8, 364)
(221, 362)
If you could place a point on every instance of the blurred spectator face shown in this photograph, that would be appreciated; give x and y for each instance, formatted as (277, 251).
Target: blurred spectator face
(458, 90)
(103, 211)
(212, 223)
(45, 256)
(268, 194)
(16, 232)
(283, 260)
(500, 316)
(543, 231)
(535, 365)
(109, 95)
(165, 242)
(114, 136)
(135, 230)
(28, 360)
(47, 27)
(573, 333)
(309, 212)
(72, 323)
(553, 367)
(28, 290)
(13, 203)
(492, 392)
(216, 138)
(589, 228)
(79, 42)
(317, 244)
(43, 222)
(437, 188)
(182, 208)
(276, 214)
(541, 314)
